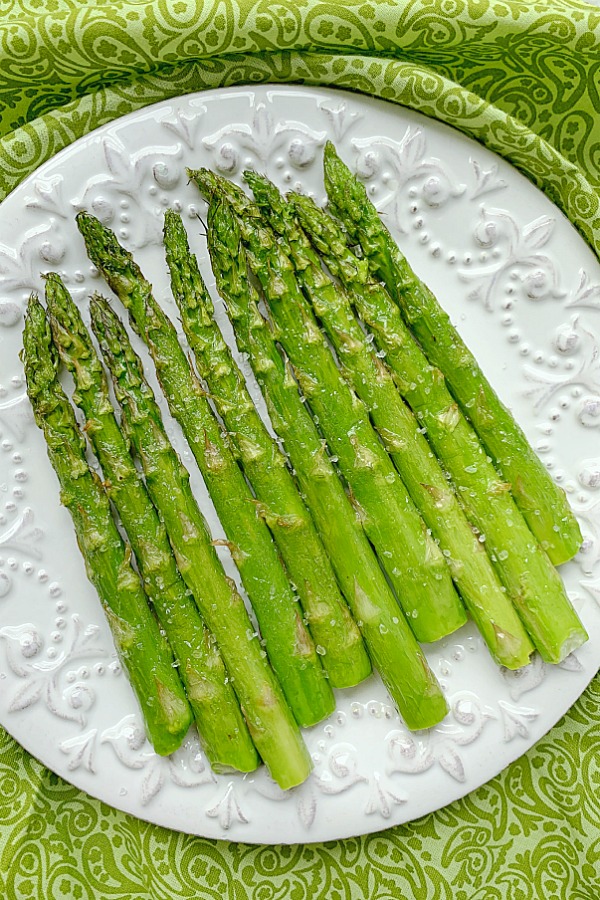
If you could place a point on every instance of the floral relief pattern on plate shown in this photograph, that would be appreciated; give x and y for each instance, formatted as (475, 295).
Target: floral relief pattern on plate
(493, 248)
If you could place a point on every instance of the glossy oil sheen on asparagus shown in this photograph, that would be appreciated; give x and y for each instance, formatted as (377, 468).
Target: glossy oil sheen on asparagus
(542, 502)
(221, 727)
(140, 643)
(335, 633)
(395, 653)
(287, 640)
(532, 582)
(409, 554)
(269, 719)
(428, 486)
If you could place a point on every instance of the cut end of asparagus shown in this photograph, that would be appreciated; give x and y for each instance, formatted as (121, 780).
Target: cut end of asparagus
(433, 712)
(509, 650)
(576, 638)
(177, 717)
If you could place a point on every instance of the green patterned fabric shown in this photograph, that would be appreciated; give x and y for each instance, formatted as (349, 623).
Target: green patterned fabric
(525, 80)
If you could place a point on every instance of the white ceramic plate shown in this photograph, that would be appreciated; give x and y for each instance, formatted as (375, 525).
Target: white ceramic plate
(524, 291)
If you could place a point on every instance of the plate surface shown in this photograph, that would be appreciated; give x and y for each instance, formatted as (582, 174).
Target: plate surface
(523, 289)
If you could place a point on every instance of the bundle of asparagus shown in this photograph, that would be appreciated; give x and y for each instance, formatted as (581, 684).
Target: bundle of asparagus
(515, 576)
(140, 643)
(144, 648)
(420, 470)
(542, 502)
(386, 469)
(288, 642)
(391, 644)
(343, 653)
(526, 571)
(222, 729)
(414, 561)
(269, 718)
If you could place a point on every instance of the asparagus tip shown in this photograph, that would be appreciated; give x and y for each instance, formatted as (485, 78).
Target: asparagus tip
(99, 304)
(104, 319)
(173, 227)
(84, 219)
(206, 181)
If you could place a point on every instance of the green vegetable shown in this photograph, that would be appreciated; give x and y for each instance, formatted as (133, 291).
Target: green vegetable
(269, 719)
(391, 644)
(343, 654)
(288, 642)
(427, 484)
(409, 554)
(533, 584)
(221, 726)
(144, 651)
(542, 502)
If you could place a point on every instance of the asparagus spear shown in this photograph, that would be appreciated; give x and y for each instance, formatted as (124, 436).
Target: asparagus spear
(271, 723)
(524, 568)
(288, 642)
(343, 652)
(542, 502)
(427, 484)
(393, 648)
(410, 556)
(144, 651)
(221, 726)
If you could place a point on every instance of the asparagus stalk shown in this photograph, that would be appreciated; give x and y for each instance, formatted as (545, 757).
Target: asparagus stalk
(524, 568)
(288, 642)
(271, 723)
(223, 732)
(409, 554)
(144, 651)
(427, 484)
(542, 502)
(391, 644)
(343, 653)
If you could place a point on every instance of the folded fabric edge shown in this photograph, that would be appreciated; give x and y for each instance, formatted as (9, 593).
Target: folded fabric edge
(403, 83)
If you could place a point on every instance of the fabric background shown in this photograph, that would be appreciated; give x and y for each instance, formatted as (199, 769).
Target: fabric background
(525, 80)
